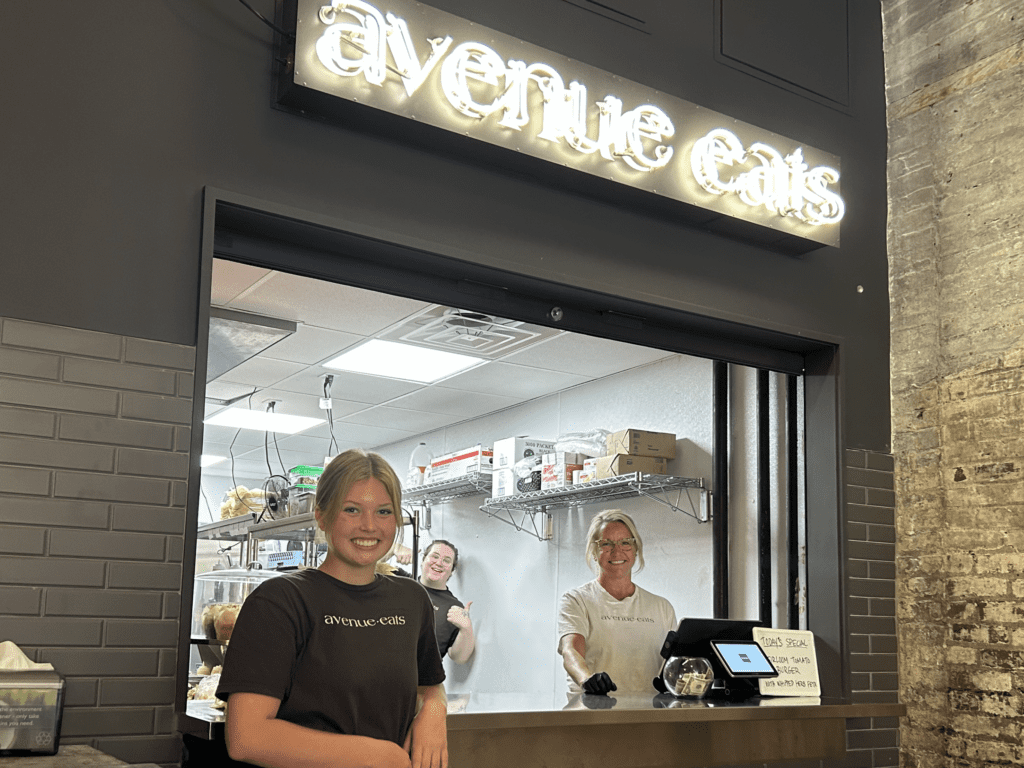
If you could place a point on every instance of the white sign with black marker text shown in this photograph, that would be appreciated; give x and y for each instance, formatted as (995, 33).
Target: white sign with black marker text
(792, 653)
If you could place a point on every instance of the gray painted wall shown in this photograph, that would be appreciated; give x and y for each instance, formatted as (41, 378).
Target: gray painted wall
(111, 144)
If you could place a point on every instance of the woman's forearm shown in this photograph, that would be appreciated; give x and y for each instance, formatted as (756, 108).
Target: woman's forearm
(427, 744)
(463, 646)
(256, 735)
(280, 744)
(574, 649)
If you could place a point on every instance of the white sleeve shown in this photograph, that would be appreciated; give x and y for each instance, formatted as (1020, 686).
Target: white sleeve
(572, 617)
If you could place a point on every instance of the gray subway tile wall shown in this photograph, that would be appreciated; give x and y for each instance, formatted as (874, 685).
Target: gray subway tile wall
(94, 441)
(871, 742)
(871, 604)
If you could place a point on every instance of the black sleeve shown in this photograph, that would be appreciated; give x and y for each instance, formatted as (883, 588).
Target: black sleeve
(265, 644)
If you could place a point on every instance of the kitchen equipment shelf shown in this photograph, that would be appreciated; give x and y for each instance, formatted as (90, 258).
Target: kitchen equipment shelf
(655, 487)
(301, 528)
(232, 529)
(422, 496)
(469, 485)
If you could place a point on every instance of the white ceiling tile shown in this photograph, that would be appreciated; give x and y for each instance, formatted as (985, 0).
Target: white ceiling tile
(354, 387)
(261, 372)
(454, 402)
(407, 421)
(351, 435)
(327, 305)
(310, 344)
(245, 438)
(516, 381)
(371, 411)
(305, 443)
(231, 279)
(585, 355)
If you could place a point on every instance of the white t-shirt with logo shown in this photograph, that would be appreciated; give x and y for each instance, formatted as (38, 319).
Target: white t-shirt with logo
(624, 637)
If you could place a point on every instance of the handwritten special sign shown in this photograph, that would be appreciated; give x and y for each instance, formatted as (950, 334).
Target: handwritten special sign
(792, 653)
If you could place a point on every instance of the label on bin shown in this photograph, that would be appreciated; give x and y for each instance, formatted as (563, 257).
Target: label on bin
(28, 720)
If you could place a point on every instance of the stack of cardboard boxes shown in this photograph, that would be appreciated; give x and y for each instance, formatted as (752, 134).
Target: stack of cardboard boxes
(632, 450)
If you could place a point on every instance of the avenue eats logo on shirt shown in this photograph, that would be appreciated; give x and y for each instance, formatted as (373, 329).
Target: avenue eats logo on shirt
(641, 619)
(383, 621)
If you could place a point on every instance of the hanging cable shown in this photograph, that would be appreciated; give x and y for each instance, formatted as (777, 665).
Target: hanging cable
(284, 469)
(268, 22)
(209, 507)
(327, 405)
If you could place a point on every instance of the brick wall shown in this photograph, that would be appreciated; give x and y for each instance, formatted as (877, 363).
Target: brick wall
(956, 161)
(94, 440)
(871, 604)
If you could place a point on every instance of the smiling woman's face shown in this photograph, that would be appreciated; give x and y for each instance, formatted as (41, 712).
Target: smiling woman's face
(437, 566)
(361, 534)
(617, 560)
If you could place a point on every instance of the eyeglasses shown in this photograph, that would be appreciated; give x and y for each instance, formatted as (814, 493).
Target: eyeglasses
(607, 544)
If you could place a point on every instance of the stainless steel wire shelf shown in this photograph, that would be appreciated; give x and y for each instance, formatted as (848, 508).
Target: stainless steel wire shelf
(471, 484)
(655, 487)
(232, 529)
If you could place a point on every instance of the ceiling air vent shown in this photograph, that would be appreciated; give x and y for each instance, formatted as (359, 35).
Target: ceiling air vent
(467, 332)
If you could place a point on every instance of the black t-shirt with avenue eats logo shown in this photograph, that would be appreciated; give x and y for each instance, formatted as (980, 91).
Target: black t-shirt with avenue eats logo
(342, 658)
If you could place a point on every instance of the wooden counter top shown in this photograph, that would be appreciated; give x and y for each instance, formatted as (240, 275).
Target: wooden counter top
(72, 756)
(649, 731)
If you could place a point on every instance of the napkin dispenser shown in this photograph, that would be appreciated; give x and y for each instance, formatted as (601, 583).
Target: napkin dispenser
(31, 708)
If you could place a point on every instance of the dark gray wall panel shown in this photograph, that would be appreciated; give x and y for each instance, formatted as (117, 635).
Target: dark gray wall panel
(106, 161)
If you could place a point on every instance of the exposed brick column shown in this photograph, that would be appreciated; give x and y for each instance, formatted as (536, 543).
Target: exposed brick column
(956, 169)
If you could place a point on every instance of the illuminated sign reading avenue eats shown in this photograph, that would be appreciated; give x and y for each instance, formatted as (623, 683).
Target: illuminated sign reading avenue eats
(430, 66)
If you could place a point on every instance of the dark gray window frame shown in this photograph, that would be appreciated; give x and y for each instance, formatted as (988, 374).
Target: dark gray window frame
(264, 233)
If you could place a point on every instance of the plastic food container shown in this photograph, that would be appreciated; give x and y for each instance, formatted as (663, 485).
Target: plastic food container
(217, 597)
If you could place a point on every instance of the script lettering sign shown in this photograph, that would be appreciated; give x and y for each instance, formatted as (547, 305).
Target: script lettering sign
(426, 65)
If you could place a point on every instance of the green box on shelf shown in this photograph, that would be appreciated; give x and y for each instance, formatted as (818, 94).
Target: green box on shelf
(305, 477)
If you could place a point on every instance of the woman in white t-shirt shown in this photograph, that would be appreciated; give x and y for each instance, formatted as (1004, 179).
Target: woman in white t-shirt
(610, 630)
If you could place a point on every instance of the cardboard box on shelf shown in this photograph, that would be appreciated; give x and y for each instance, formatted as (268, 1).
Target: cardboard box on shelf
(556, 469)
(511, 449)
(451, 466)
(505, 482)
(639, 442)
(589, 471)
(624, 464)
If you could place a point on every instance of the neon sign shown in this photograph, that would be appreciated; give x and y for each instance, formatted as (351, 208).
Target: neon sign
(431, 66)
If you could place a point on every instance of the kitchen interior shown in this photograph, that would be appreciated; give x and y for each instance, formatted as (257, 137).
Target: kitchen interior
(274, 342)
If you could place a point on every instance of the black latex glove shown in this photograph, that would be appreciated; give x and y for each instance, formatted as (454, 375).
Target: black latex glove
(599, 683)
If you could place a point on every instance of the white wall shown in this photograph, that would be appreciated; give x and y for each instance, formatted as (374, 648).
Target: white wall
(514, 580)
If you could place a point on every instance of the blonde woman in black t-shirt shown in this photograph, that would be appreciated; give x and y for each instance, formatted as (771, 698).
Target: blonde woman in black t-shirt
(325, 665)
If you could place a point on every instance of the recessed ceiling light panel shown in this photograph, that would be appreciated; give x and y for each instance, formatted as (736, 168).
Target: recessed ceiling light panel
(263, 421)
(402, 361)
